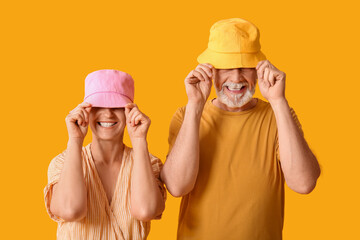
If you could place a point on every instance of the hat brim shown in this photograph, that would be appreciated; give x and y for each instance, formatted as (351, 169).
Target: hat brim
(231, 60)
(108, 100)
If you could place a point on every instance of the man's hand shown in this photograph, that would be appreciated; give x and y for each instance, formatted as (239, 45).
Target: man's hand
(137, 123)
(77, 121)
(198, 84)
(271, 81)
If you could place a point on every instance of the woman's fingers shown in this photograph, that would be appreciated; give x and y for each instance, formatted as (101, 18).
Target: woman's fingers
(80, 116)
(136, 119)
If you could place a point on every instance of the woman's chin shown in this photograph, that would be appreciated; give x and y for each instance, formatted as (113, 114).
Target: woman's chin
(108, 137)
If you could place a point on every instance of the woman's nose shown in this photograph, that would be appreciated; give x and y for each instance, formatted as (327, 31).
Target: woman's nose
(108, 112)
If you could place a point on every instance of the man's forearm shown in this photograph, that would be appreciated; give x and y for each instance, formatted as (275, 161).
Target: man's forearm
(146, 199)
(298, 163)
(69, 199)
(182, 164)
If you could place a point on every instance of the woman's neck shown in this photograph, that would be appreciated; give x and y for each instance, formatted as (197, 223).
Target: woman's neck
(107, 152)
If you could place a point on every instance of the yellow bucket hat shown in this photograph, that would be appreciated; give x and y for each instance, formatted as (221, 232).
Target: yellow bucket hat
(233, 43)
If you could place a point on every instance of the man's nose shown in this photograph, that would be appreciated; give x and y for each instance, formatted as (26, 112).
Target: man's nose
(237, 76)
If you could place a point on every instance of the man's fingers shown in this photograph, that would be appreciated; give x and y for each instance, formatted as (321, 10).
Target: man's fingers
(264, 82)
(271, 78)
(198, 75)
(260, 64)
(259, 75)
(208, 65)
(192, 80)
(203, 74)
(190, 75)
(266, 74)
(261, 71)
(207, 70)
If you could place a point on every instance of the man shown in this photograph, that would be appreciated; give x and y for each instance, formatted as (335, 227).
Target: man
(229, 157)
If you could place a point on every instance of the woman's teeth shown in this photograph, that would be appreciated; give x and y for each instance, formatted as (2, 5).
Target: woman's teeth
(106, 124)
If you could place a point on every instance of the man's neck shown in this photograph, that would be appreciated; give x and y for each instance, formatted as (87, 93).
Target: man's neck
(251, 104)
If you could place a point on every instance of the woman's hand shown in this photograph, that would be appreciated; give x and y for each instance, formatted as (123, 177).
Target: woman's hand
(77, 121)
(137, 122)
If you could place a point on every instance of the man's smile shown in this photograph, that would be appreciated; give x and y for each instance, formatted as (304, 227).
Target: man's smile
(235, 88)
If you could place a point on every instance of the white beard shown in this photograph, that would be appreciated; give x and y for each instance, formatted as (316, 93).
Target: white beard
(238, 100)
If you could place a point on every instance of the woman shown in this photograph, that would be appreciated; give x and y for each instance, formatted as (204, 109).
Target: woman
(105, 190)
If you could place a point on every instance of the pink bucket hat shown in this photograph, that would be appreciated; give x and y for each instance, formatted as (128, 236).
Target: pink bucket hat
(109, 88)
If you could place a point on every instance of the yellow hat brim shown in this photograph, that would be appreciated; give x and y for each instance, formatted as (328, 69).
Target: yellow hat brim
(230, 60)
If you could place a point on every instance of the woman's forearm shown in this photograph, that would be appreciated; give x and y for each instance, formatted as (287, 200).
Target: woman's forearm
(146, 199)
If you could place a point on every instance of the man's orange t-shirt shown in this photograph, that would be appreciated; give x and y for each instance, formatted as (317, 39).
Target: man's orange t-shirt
(239, 191)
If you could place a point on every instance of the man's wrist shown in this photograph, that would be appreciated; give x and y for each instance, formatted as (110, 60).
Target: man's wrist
(195, 108)
(279, 104)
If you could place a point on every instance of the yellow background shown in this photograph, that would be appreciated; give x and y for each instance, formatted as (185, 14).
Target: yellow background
(48, 47)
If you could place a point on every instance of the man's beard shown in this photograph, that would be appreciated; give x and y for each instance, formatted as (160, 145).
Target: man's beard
(239, 100)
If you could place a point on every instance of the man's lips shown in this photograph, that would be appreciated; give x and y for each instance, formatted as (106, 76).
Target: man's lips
(236, 90)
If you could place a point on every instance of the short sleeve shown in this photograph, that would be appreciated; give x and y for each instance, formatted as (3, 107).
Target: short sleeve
(157, 165)
(293, 114)
(54, 172)
(175, 126)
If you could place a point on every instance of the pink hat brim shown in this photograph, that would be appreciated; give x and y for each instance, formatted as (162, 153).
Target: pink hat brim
(108, 100)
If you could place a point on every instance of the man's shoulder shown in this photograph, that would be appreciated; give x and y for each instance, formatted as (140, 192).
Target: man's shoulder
(263, 103)
(264, 106)
(180, 112)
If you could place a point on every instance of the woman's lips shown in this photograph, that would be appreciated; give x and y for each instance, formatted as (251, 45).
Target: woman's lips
(107, 124)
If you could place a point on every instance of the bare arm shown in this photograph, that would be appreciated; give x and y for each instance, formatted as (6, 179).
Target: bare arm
(299, 165)
(146, 199)
(69, 198)
(182, 164)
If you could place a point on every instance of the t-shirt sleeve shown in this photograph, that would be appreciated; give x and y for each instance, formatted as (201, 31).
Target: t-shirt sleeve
(175, 126)
(277, 136)
(157, 165)
(54, 172)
